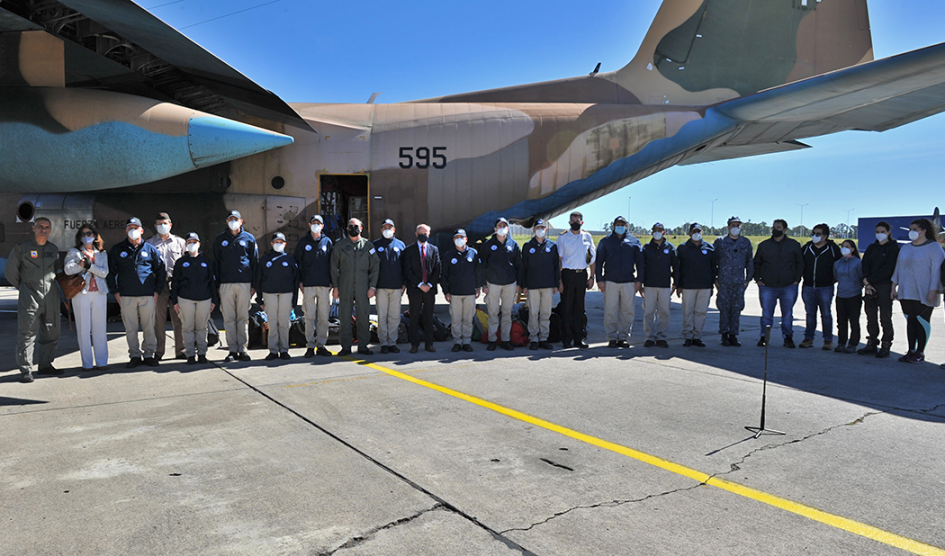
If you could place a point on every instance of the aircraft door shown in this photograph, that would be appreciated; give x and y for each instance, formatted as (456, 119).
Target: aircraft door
(343, 197)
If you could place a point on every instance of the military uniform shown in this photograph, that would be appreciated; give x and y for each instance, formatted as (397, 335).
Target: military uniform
(736, 269)
(31, 269)
(354, 270)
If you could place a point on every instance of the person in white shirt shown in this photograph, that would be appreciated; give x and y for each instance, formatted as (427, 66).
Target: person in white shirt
(171, 248)
(89, 258)
(578, 255)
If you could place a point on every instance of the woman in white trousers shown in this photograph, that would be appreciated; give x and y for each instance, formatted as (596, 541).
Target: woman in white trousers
(88, 258)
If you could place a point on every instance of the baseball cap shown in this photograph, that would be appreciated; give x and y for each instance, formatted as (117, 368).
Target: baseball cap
(734, 219)
(163, 216)
(193, 236)
(135, 221)
(316, 218)
(541, 223)
(620, 219)
(235, 213)
(695, 226)
(501, 220)
(278, 235)
(388, 221)
(460, 232)
(659, 225)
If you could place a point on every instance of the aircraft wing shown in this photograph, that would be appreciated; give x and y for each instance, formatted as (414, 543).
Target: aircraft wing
(117, 45)
(875, 96)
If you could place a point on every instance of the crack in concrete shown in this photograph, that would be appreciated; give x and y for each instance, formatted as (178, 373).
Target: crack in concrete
(609, 504)
(364, 537)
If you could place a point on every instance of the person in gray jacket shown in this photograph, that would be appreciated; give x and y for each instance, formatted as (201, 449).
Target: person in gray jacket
(736, 270)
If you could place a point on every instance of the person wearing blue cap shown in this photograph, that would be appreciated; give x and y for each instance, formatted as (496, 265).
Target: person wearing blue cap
(235, 261)
(736, 271)
(193, 297)
(620, 274)
(390, 286)
(136, 276)
(313, 255)
(502, 263)
(277, 286)
(662, 268)
(541, 273)
(461, 280)
(698, 269)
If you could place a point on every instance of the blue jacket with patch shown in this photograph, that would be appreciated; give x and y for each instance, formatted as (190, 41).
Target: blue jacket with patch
(135, 271)
(502, 261)
(391, 273)
(541, 265)
(193, 279)
(698, 266)
(617, 257)
(461, 273)
(235, 258)
(314, 260)
(661, 264)
(278, 273)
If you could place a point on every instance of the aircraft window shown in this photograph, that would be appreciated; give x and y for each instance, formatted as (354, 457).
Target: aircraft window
(25, 212)
(277, 182)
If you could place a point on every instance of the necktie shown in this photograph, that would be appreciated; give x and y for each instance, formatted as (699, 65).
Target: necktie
(423, 262)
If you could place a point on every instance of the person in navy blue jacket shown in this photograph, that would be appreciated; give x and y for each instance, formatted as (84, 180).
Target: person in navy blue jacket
(541, 274)
(389, 293)
(136, 276)
(698, 269)
(661, 264)
(620, 276)
(277, 285)
(461, 279)
(313, 254)
(502, 261)
(235, 259)
(194, 296)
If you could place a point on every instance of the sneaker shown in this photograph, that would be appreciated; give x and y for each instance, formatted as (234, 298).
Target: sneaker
(385, 349)
(917, 357)
(272, 356)
(761, 343)
(545, 345)
(230, 358)
(134, 362)
(789, 342)
(807, 343)
(662, 343)
(828, 345)
(490, 347)
(365, 351)
(456, 348)
(623, 344)
(649, 344)
(309, 353)
(725, 341)
(285, 356)
(533, 346)
(26, 378)
(905, 358)
(201, 359)
(688, 342)
(344, 352)
(467, 347)
(244, 357)
(870, 348)
(50, 370)
(883, 352)
(507, 346)
(612, 344)
(322, 352)
(733, 341)
(393, 349)
(698, 343)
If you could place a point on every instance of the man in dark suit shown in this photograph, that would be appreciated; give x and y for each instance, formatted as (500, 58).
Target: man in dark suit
(421, 273)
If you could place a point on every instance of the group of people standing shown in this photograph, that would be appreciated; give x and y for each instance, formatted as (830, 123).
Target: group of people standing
(166, 271)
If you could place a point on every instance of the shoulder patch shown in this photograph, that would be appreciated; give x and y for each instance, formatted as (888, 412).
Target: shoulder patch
(123, 254)
(308, 247)
(144, 254)
(185, 265)
(35, 254)
(494, 247)
(285, 263)
(242, 243)
(225, 243)
(269, 264)
(325, 248)
(204, 265)
(454, 261)
(380, 249)
(396, 249)
(532, 250)
(372, 251)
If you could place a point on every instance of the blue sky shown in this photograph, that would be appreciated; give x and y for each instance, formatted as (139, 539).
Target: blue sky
(308, 51)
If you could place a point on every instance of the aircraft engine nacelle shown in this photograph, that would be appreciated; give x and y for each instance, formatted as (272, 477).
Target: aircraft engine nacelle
(58, 139)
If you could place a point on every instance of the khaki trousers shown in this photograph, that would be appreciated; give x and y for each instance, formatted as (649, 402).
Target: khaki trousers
(234, 304)
(161, 309)
(619, 310)
(656, 303)
(505, 295)
(695, 306)
(279, 313)
(137, 311)
(316, 302)
(539, 313)
(193, 323)
(462, 311)
(388, 304)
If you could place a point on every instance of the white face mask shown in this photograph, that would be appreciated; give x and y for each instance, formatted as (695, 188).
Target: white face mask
(657, 235)
(540, 233)
(816, 239)
(163, 229)
(88, 240)
(233, 224)
(735, 231)
(316, 228)
(459, 242)
(881, 237)
(697, 236)
(502, 232)
(192, 248)
(913, 235)
(388, 234)
(278, 247)
(134, 234)
(845, 251)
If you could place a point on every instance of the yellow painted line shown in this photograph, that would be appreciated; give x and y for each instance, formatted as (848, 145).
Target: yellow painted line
(826, 518)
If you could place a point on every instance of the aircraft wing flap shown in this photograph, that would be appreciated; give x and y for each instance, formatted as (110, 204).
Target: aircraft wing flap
(728, 152)
(874, 96)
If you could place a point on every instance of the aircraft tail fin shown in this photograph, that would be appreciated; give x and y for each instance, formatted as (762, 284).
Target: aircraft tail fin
(701, 52)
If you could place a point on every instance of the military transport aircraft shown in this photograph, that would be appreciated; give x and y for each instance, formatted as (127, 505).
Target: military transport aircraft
(107, 112)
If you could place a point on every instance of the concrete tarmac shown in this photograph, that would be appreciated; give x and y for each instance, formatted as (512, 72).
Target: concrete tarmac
(598, 451)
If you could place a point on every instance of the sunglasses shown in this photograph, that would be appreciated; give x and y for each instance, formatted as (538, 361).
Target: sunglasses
(89, 234)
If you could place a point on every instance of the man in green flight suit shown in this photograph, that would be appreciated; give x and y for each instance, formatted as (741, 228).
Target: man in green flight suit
(354, 269)
(31, 269)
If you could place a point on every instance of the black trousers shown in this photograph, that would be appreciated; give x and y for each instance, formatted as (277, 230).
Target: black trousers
(572, 305)
(848, 315)
(918, 323)
(421, 311)
(879, 305)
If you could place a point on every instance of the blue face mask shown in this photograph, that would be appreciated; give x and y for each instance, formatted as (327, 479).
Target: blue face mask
(620, 230)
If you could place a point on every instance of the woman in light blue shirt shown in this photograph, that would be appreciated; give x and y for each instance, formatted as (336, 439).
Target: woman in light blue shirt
(848, 272)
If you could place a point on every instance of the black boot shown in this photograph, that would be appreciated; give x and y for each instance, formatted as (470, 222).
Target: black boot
(871, 347)
(883, 352)
(725, 340)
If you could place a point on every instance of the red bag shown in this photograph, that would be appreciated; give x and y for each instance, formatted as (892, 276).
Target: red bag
(519, 334)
